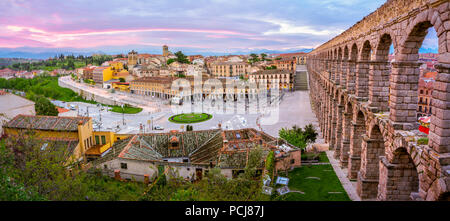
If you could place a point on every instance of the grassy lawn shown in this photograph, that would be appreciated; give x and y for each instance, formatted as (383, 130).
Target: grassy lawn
(48, 87)
(322, 157)
(126, 109)
(190, 118)
(314, 189)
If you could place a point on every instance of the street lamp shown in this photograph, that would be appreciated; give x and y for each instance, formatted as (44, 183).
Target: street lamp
(123, 115)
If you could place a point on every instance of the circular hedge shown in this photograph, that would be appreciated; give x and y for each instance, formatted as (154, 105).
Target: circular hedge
(190, 118)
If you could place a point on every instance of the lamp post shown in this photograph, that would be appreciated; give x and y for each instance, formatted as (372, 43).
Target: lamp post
(123, 115)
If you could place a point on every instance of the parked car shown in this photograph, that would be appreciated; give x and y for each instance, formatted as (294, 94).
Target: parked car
(157, 127)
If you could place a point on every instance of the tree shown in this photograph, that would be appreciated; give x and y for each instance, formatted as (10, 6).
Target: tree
(310, 133)
(263, 56)
(42, 105)
(170, 61)
(182, 58)
(11, 190)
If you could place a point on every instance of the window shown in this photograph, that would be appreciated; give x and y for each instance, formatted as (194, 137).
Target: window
(123, 166)
(105, 166)
(97, 140)
(292, 161)
(103, 140)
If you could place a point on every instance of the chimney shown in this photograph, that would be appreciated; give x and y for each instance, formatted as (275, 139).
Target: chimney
(146, 179)
(117, 175)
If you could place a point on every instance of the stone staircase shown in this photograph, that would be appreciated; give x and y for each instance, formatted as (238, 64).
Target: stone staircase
(301, 81)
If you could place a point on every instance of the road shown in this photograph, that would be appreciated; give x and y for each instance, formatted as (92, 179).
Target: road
(269, 116)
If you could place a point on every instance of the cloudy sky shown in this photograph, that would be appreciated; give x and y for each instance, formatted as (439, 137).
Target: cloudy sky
(194, 25)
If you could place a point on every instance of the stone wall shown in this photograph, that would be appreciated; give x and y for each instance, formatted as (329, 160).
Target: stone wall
(368, 103)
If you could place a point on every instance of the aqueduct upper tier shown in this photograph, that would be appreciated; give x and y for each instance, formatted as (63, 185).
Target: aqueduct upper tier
(366, 104)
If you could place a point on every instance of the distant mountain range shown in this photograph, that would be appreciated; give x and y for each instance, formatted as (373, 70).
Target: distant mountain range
(45, 53)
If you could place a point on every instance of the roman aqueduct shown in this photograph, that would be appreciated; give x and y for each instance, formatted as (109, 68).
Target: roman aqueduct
(366, 105)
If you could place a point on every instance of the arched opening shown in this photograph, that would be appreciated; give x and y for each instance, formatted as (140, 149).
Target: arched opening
(413, 62)
(379, 75)
(398, 178)
(351, 76)
(357, 130)
(338, 128)
(346, 129)
(338, 66)
(368, 176)
(362, 71)
(344, 68)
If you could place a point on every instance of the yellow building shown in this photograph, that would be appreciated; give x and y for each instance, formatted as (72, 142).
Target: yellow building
(122, 86)
(229, 69)
(103, 140)
(115, 71)
(74, 134)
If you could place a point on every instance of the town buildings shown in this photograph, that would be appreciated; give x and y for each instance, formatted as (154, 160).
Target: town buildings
(191, 154)
(425, 93)
(275, 78)
(228, 69)
(114, 71)
(285, 63)
(300, 57)
(73, 133)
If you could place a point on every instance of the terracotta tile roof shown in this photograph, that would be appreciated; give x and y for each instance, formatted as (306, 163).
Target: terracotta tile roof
(430, 75)
(200, 147)
(46, 122)
(62, 110)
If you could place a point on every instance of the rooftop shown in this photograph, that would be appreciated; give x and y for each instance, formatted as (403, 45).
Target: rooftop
(52, 123)
(228, 149)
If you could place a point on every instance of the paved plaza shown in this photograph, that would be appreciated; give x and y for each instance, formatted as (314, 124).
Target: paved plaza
(294, 109)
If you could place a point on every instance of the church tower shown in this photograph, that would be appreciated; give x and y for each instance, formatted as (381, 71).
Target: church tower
(132, 58)
(165, 50)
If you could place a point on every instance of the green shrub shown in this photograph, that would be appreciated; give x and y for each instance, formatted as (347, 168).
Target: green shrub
(422, 141)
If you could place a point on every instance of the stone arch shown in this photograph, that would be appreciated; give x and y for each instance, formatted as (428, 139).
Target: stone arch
(382, 49)
(344, 68)
(371, 151)
(362, 71)
(357, 130)
(399, 177)
(366, 51)
(346, 131)
(379, 72)
(351, 75)
(338, 66)
(417, 30)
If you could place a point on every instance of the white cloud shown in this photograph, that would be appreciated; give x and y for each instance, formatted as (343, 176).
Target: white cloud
(286, 27)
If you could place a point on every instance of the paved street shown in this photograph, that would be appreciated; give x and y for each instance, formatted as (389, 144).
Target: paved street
(294, 109)
(267, 115)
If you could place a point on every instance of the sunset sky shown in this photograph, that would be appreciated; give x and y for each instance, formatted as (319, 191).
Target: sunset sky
(224, 26)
